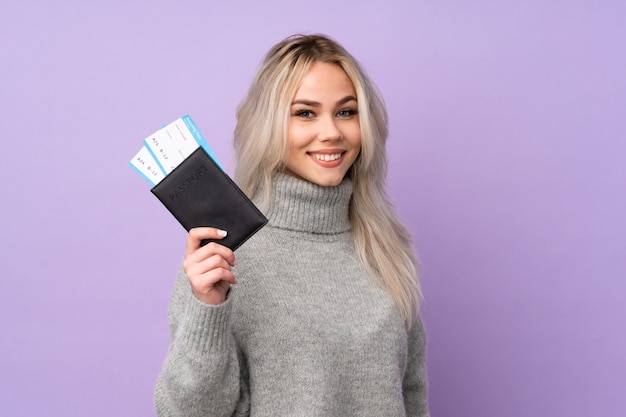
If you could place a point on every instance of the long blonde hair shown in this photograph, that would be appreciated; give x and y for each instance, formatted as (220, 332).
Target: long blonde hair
(261, 148)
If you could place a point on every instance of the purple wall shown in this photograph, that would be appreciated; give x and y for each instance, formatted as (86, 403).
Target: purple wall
(507, 160)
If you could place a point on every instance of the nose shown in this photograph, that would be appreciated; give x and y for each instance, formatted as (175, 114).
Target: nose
(328, 130)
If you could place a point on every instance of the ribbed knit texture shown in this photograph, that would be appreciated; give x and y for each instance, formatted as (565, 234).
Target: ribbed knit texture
(307, 207)
(304, 333)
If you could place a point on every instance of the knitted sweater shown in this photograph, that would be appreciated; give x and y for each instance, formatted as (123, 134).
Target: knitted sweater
(305, 332)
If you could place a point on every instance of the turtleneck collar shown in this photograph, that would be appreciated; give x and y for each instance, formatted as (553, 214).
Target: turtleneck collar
(301, 205)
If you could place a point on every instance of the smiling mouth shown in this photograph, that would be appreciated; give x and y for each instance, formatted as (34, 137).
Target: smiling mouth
(326, 157)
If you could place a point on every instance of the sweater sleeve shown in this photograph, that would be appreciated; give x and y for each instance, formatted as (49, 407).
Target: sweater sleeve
(201, 374)
(415, 379)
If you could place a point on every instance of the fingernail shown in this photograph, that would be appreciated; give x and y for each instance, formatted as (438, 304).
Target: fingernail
(222, 233)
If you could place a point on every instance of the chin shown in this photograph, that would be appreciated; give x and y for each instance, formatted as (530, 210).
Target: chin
(327, 181)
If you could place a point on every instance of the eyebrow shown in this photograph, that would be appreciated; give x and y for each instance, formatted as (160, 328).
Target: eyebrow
(312, 103)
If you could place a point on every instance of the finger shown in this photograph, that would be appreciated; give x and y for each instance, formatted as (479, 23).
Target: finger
(207, 251)
(205, 265)
(204, 283)
(198, 234)
(221, 275)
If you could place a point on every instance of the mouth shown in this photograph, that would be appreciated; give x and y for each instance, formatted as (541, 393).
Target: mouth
(326, 157)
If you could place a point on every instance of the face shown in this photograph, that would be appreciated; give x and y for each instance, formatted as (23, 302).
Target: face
(324, 132)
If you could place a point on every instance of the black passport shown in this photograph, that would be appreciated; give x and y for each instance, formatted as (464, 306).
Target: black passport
(199, 194)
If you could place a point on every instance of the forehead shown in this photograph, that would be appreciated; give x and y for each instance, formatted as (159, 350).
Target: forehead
(325, 80)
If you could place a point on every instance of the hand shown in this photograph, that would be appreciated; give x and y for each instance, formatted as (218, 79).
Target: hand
(208, 267)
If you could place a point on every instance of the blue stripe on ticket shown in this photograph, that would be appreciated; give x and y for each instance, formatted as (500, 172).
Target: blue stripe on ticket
(199, 138)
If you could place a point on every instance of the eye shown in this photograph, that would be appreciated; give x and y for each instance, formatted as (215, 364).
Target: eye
(304, 113)
(347, 113)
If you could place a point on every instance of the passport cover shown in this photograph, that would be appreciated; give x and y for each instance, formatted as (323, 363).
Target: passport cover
(199, 194)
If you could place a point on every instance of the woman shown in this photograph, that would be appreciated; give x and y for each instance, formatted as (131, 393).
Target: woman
(323, 319)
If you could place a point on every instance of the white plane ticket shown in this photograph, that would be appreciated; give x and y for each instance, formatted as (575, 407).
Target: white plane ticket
(166, 148)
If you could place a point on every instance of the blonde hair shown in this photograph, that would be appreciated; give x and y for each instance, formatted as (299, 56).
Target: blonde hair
(261, 148)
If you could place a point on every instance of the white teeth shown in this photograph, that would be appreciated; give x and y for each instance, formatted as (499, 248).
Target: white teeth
(327, 157)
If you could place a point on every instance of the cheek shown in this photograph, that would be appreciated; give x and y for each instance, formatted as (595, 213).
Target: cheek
(355, 137)
(355, 141)
(297, 136)
(352, 132)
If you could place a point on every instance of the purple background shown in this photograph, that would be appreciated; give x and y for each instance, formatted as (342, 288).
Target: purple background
(507, 161)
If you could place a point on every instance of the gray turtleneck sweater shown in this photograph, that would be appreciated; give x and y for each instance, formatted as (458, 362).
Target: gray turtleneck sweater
(305, 332)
